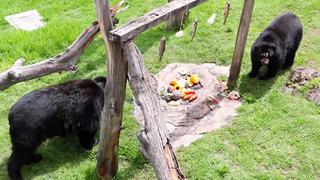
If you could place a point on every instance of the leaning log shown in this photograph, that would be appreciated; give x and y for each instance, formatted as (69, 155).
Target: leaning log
(107, 157)
(240, 42)
(65, 61)
(153, 136)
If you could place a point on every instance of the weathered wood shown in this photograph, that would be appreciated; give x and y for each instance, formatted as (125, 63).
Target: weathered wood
(240, 42)
(153, 136)
(65, 61)
(107, 157)
(151, 19)
(176, 18)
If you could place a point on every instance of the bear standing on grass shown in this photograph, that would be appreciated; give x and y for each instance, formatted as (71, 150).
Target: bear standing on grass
(276, 46)
(71, 107)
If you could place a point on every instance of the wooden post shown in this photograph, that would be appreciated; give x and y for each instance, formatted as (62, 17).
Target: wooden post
(107, 156)
(153, 137)
(240, 42)
(177, 17)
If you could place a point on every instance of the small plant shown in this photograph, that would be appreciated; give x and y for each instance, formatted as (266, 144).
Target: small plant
(222, 78)
(223, 170)
(313, 83)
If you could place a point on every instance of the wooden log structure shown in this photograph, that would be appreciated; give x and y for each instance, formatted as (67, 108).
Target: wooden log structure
(125, 61)
(65, 61)
(240, 43)
(153, 137)
(151, 19)
(107, 157)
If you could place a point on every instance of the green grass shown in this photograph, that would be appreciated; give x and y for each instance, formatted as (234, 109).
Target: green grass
(275, 136)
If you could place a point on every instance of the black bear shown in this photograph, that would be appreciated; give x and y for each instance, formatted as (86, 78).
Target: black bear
(72, 107)
(276, 46)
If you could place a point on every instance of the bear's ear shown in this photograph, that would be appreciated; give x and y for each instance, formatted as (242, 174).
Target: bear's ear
(274, 48)
(101, 81)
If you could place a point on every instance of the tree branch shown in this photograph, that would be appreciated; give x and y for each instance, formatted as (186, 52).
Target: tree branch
(65, 61)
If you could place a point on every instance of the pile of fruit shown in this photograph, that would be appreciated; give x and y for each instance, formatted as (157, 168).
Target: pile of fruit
(183, 88)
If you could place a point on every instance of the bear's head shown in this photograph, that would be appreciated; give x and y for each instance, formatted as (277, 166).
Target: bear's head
(265, 52)
(101, 81)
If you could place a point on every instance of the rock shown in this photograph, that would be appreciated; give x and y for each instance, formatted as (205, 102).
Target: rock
(182, 71)
(301, 75)
(313, 95)
(196, 87)
(288, 90)
(199, 110)
(167, 97)
(174, 103)
(179, 34)
(233, 95)
(176, 95)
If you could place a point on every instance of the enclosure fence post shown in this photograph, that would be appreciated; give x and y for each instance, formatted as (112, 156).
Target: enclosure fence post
(107, 157)
(176, 19)
(240, 42)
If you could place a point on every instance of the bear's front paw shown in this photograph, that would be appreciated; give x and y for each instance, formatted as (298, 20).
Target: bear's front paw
(252, 74)
(37, 158)
(265, 77)
(34, 159)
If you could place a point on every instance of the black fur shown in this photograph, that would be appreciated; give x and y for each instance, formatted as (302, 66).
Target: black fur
(278, 44)
(71, 107)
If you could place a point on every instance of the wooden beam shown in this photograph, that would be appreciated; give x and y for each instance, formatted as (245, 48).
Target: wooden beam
(107, 156)
(240, 42)
(151, 19)
(153, 136)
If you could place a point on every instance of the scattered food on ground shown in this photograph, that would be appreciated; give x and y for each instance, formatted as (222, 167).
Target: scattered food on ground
(194, 101)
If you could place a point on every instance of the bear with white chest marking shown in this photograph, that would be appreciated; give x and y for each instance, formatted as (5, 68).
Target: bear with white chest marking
(276, 46)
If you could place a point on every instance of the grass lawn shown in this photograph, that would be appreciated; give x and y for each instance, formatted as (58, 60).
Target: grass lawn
(275, 136)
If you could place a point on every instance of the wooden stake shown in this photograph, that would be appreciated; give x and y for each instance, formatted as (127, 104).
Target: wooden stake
(153, 137)
(240, 42)
(107, 156)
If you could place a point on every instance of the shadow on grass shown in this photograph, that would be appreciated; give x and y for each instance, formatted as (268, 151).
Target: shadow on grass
(136, 164)
(133, 167)
(253, 88)
(147, 39)
(56, 152)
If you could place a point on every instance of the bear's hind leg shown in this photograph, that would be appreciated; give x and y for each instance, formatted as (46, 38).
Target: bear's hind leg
(87, 139)
(20, 155)
(35, 158)
(289, 59)
(273, 68)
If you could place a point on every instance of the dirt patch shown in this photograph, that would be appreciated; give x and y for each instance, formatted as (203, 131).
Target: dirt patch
(314, 32)
(305, 81)
(188, 121)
